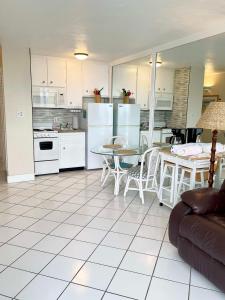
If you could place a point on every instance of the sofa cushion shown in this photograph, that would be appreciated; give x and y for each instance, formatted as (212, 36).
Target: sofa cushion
(206, 234)
(204, 201)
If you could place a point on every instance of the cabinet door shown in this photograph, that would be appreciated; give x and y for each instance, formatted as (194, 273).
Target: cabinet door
(74, 84)
(156, 138)
(95, 75)
(39, 70)
(143, 86)
(56, 72)
(124, 77)
(164, 80)
(72, 150)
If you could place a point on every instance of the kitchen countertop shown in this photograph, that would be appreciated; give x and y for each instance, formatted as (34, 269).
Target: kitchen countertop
(70, 130)
(156, 128)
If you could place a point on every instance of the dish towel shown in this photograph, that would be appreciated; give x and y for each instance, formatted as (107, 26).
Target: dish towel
(187, 149)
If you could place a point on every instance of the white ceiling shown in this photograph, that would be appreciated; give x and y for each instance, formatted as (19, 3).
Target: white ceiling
(107, 29)
(208, 53)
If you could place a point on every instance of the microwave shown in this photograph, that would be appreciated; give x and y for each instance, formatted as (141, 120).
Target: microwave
(48, 97)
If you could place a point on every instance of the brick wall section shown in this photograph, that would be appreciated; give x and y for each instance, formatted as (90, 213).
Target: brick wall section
(181, 90)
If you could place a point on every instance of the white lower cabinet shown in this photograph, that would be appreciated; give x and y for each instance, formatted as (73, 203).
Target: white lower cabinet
(72, 150)
(156, 138)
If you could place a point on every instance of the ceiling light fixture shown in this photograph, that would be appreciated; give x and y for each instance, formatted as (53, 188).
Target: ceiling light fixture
(81, 55)
(158, 63)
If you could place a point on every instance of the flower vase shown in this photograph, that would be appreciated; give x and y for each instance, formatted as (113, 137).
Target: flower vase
(97, 98)
(126, 99)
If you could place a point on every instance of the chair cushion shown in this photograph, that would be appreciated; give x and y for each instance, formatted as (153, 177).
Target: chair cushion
(123, 165)
(135, 172)
(207, 233)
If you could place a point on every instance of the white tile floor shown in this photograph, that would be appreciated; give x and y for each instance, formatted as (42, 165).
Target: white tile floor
(64, 237)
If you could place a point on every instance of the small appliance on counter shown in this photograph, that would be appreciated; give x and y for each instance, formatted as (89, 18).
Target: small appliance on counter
(46, 151)
(193, 134)
(75, 124)
(178, 137)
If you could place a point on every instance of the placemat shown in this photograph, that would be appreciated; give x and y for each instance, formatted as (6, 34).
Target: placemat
(126, 151)
(112, 146)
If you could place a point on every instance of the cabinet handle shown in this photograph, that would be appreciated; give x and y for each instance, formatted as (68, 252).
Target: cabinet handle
(43, 81)
(51, 81)
(64, 148)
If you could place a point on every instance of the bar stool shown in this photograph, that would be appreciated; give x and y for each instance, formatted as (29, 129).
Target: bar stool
(193, 177)
(168, 174)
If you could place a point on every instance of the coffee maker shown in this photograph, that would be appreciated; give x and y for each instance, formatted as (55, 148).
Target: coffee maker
(192, 134)
(178, 137)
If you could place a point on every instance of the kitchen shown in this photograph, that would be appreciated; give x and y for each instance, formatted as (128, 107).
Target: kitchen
(62, 89)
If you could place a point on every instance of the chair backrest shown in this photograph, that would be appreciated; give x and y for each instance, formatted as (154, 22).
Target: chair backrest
(117, 139)
(150, 161)
(144, 140)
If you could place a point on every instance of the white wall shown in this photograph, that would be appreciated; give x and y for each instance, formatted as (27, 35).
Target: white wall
(217, 80)
(17, 94)
(195, 96)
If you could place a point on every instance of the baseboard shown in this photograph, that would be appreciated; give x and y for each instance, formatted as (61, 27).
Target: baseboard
(20, 178)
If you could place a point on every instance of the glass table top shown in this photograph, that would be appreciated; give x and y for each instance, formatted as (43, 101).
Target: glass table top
(127, 150)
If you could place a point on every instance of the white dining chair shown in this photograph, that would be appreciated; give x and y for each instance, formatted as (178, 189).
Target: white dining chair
(108, 160)
(144, 140)
(144, 175)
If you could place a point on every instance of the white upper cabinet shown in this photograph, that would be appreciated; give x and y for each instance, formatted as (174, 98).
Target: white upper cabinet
(39, 70)
(95, 75)
(124, 77)
(48, 71)
(56, 72)
(143, 86)
(164, 88)
(164, 80)
(74, 84)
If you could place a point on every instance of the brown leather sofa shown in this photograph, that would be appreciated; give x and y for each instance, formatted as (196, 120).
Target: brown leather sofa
(197, 229)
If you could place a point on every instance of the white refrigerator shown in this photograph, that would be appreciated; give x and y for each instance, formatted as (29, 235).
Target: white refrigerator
(99, 125)
(127, 122)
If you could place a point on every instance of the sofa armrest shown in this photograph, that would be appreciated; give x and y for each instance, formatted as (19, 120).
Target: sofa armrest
(204, 201)
(176, 217)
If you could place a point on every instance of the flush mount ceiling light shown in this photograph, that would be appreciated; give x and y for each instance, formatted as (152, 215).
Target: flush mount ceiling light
(158, 63)
(81, 55)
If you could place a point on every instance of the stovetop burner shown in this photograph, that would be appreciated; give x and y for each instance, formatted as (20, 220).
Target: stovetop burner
(40, 130)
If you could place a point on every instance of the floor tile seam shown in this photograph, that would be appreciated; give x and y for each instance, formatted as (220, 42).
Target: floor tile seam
(111, 293)
(122, 258)
(153, 271)
(96, 289)
(91, 255)
(45, 266)
(39, 273)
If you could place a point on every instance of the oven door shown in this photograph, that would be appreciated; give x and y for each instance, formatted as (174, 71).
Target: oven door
(46, 149)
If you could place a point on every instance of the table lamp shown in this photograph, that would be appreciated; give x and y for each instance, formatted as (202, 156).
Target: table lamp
(213, 118)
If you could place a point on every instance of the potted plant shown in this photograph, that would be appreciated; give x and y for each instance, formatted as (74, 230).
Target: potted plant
(126, 95)
(97, 94)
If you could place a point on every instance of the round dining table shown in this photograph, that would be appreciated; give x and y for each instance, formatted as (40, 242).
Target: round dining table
(118, 168)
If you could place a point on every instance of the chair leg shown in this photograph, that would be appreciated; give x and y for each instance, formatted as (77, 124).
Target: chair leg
(103, 173)
(127, 186)
(202, 179)
(141, 193)
(180, 183)
(106, 177)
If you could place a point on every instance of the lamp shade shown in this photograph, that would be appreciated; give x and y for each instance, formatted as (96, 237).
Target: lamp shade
(213, 117)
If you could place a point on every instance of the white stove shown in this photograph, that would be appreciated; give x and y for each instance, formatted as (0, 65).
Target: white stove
(46, 151)
(45, 133)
